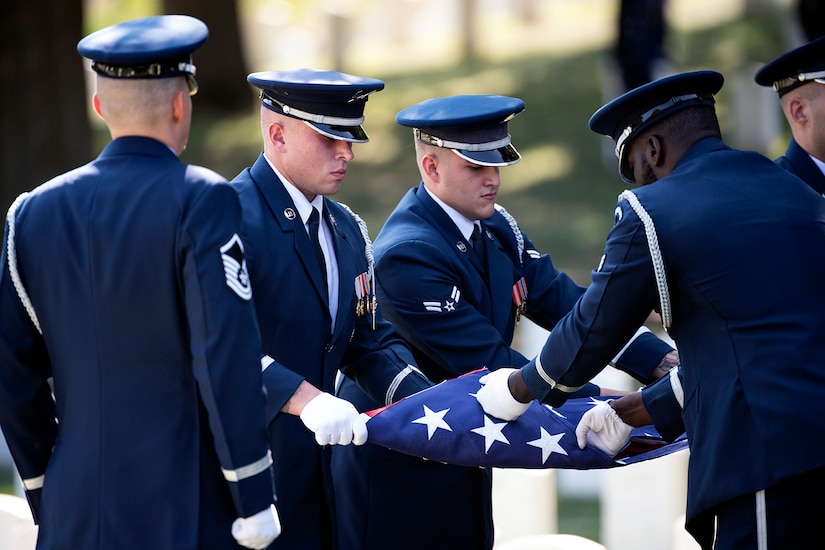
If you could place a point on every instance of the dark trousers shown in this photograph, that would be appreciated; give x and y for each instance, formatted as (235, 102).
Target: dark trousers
(787, 515)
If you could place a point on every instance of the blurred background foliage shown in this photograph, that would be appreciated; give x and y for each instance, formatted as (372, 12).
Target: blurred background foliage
(564, 190)
(554, 54)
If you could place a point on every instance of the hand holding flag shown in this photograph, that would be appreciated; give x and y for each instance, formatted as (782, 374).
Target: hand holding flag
(495, 398)
(446, 423)
(602, 428)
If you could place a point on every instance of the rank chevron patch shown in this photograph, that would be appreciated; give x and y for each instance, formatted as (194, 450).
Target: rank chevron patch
(446, 305)
(234, 266)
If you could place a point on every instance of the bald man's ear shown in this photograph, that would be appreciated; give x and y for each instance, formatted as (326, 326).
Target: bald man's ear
(277, 135)
(96, 105)
(177, 107)
(429, 167)
(796, 111)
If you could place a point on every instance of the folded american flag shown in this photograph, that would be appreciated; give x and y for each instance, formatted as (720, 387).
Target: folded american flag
(446, 423)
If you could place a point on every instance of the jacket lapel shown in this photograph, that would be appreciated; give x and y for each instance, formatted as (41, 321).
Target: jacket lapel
(447, 229)
(500, 281)
(286, 216)
(346, 260)
(807, 169)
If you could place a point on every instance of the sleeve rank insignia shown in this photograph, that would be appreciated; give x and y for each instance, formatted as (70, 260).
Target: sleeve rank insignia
(234, 265)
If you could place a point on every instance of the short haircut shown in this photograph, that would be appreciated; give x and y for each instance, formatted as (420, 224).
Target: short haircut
(687, 124)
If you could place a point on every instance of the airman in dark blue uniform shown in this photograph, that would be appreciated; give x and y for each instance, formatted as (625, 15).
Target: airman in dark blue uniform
(720, 241)
(311, 264)
(455, 273)
(798, 77)
(130, 378)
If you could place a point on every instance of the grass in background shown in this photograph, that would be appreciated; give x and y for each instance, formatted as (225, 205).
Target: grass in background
(579, 516)
(564, 190)
(7, 481)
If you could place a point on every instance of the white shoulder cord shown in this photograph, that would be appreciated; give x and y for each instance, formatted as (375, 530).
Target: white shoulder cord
(655, 255)
(516, 231)
(396, 382)
(362, 225)
(12, 258)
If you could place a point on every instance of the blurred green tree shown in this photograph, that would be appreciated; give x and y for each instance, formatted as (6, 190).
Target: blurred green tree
(45, 125)
(43, 103)
(221, 63)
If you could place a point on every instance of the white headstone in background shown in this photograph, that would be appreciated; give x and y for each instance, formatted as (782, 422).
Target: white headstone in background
(5, 456)
(17, 528)
(551, 542)
(524, 503)
(758, 117)
(641, 502)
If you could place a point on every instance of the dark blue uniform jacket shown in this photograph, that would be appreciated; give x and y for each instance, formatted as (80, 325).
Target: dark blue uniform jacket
(154, 356)
(458, 315)
(661, 399)
(295, 324)
(799, 163)
(740, 239)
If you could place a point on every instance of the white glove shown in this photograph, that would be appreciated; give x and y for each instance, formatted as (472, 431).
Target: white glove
(602, 428)
(259, 530)
(495, 397)
(335, 421)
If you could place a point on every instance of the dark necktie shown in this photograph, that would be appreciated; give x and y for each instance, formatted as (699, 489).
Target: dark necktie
(477, 240)
(312, 224)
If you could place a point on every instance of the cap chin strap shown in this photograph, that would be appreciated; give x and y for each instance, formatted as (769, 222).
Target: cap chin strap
(447, 144)
(647, 115)
(816, 76)
(153, 70)
(304, 115)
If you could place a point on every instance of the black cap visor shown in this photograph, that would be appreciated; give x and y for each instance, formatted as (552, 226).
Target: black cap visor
(503, 156)
(353, 134)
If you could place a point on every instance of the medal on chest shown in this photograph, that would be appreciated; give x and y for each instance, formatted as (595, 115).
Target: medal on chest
(520, 298)
(365, 299)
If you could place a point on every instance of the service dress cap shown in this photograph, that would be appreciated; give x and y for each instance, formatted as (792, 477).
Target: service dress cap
(330, 102)
(794, 68)
(151, 47)
(473, 126)
(628, 115)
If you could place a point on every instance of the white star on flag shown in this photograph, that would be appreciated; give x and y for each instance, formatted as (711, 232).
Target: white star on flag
(553, 410)
(592, 401)
(397, 427)
(491, 432)
(548, 444)
(433, 421)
